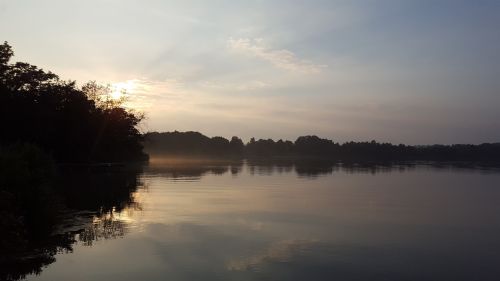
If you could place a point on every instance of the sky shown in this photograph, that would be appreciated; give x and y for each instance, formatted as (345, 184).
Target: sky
(400, 71)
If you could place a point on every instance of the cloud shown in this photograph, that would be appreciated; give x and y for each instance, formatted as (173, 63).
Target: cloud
(278, 252)
(143, 93)
(283, 58)
(240, 86)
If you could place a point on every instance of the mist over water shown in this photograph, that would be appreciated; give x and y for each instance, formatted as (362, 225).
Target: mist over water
(197, 220)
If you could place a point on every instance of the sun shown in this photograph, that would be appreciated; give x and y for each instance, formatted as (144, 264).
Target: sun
(120, 90)
(116, 94)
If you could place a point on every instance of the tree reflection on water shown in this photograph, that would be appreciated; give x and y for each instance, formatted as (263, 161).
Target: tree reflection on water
(95, 203)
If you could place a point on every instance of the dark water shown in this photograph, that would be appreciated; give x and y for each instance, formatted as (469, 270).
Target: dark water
(288, 222)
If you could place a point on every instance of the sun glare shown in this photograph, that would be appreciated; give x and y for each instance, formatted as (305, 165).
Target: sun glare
(116, 94)
(121, 89)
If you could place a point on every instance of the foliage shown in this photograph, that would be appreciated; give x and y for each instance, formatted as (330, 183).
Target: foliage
(194, 143)
(73, 124)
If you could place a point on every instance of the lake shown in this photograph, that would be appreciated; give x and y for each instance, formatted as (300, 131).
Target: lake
(262, 221)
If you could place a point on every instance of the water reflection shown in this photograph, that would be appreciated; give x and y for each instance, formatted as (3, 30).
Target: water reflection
(324, 221)
(93, 203)
(193, 171)
(304, 168)
(272, 220)
(281, 252)
(105, 226)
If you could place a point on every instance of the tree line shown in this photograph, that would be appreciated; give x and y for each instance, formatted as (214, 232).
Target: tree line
(196, 144)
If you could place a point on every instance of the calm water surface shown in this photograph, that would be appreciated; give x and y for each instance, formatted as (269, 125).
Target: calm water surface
(268, 222)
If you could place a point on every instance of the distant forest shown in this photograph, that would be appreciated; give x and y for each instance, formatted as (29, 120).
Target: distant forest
(196, 144)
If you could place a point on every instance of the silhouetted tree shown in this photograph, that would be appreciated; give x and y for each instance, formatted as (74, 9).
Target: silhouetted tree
(313, 147)
(73, 124)
(236, 145)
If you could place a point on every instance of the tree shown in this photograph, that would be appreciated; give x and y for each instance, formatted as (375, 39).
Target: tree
(236, 145)
(73, 124)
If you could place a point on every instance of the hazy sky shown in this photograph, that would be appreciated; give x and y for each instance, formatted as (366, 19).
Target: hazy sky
(416, 72)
